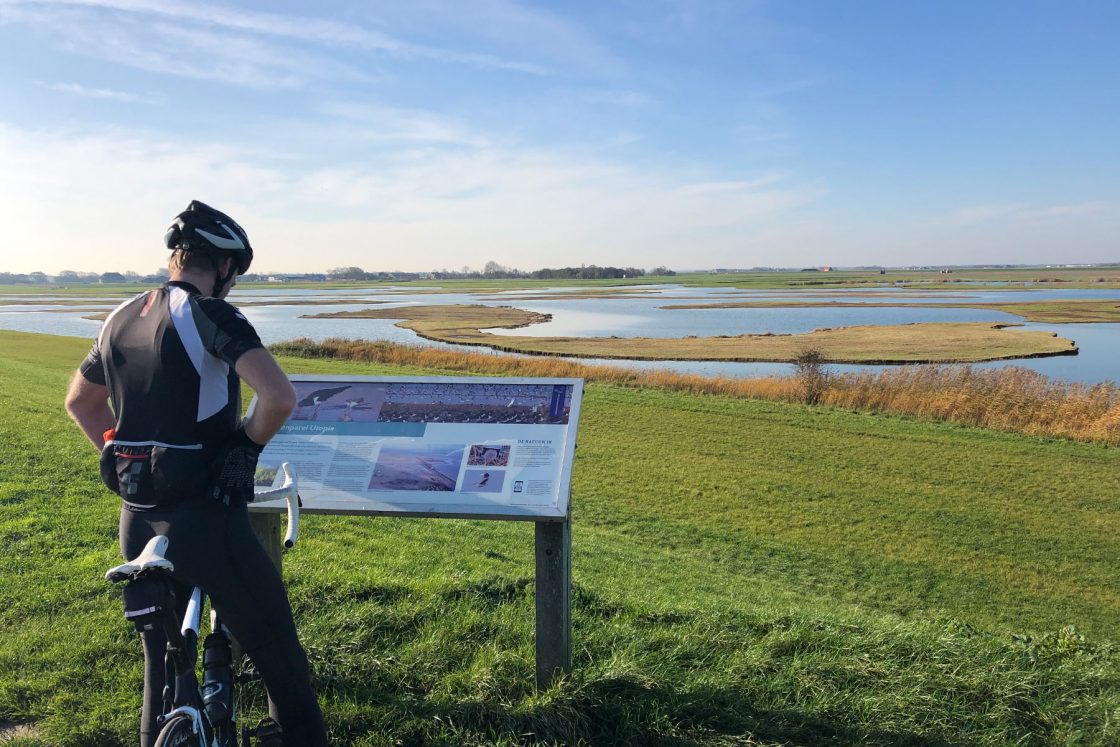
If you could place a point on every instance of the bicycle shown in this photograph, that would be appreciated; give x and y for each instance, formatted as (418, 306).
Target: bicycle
(206, 715)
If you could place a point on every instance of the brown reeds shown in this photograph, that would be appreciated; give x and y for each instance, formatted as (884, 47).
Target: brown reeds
(1012, 399)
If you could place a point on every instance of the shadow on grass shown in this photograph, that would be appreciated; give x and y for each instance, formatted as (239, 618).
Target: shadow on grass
(661, 677)
(614, 711)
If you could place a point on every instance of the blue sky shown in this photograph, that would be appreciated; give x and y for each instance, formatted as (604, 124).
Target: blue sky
(431, 134)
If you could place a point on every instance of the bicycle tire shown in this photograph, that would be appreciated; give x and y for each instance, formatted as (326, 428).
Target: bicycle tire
(178, 732)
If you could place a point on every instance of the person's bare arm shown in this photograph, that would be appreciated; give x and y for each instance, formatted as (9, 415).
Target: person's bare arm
(88, 405)
(275, 396)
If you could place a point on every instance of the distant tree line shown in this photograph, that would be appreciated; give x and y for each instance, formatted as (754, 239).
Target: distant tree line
(491, 270)
(70, 277)
(357, 273)
(587, 272)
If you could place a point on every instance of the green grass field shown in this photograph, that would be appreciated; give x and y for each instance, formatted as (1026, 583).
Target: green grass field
(744, 573)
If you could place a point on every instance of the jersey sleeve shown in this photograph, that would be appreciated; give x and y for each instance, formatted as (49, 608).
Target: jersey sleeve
(224, 330)
(91, 367)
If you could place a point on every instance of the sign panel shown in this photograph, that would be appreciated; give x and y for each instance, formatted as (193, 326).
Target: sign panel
(466, 447)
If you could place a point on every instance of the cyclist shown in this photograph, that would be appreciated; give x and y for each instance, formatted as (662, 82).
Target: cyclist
(159, 394)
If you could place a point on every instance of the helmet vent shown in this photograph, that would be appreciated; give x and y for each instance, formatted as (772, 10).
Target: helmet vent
(233, 242)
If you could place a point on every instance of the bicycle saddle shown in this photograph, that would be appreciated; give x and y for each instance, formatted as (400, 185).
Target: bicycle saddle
(151, 557)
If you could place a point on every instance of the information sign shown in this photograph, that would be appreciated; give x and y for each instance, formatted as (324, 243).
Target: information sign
(466, 447)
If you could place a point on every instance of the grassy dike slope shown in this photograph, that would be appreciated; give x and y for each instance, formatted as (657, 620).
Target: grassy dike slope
(745, 573)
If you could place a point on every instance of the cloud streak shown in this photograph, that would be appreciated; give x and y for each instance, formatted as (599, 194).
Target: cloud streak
(1024, 212)
(77, 89)
(298, 29)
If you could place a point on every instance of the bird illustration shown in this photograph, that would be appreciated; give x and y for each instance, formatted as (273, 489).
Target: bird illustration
(318, 397)
(351, 405)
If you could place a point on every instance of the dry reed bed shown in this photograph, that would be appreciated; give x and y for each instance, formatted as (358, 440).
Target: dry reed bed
(1011, 399)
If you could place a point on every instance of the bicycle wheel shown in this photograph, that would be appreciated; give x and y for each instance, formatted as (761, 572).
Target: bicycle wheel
(178, 732)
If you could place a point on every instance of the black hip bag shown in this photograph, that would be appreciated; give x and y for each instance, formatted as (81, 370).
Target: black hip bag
(152, 475)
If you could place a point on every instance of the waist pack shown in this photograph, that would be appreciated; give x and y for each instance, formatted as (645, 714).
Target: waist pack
(154, 475)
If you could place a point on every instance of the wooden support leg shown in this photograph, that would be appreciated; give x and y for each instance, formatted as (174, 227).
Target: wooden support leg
(266, 525)
(554, 601)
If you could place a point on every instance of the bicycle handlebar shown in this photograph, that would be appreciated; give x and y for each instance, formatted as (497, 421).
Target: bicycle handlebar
(289, 490)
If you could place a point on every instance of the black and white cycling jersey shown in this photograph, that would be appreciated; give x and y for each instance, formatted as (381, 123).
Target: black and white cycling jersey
(167, 358)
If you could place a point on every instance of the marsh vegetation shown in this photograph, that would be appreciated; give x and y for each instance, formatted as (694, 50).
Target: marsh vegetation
(931, 342)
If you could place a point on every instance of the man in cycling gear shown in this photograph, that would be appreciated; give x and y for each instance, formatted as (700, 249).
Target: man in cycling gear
(169, 362)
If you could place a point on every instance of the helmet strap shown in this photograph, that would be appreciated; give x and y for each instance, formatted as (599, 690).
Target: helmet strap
(219, 281)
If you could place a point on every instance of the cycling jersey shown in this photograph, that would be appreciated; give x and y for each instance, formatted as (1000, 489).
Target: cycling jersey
(167, 358)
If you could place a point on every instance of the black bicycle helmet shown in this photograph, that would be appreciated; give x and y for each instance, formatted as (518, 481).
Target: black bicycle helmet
(201, 228)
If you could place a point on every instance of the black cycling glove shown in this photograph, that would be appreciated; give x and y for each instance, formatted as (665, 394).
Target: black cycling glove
(235, 468)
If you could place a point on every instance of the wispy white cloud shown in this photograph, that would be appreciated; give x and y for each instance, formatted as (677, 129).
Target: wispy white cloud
(192, 49)
(974, 214)
(392, 124)
(553, 42)
(625, 98)
(1076, 209)
(304, 29)
(1024, 212)
(77, 89)
(724, 187)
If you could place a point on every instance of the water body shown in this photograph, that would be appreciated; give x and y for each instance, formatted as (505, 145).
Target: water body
(639, 315)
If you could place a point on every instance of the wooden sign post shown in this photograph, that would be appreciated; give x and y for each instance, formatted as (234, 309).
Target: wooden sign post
(554, 601)
(441, 447)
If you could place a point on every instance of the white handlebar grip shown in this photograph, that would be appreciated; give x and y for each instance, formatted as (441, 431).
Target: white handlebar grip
(291, 482)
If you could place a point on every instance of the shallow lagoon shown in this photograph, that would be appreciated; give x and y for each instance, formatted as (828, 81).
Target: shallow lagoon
(638, 315)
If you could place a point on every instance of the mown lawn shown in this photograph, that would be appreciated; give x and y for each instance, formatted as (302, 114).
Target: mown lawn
(745, 573)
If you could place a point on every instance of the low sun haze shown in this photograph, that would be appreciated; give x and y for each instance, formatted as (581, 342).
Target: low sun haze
(694, 135)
